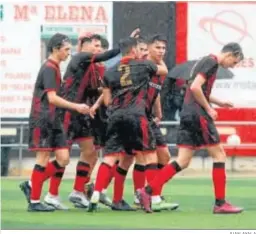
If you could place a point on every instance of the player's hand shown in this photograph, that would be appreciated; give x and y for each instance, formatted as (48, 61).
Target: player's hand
(82, 109)
(157, 120)
(93, 110)
(213, 113)
(135, 33)
(226, 104)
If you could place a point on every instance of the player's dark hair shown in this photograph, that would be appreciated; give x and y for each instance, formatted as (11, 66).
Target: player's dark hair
(57, 41)
(157, 37)
(142, 39)
(96, 37)
(85, 40)
(104, 43)
(234, 48)
(127, 44)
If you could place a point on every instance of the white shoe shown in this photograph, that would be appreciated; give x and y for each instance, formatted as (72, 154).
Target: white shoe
(78, 199)
(55, 202)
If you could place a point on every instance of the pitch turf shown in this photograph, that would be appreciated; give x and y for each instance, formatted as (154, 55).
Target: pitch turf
(195, 212)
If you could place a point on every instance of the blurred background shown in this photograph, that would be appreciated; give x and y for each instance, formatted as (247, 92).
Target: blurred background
(192, 29)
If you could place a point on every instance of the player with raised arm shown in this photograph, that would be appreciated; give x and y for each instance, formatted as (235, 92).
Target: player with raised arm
(125, 87)
(79, 85)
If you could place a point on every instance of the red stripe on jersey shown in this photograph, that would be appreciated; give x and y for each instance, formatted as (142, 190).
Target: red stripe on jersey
(84, 83)
(140, 97)
(144, 129)
(67, 118)
(36, 137)
(36, 107)
(127, 99)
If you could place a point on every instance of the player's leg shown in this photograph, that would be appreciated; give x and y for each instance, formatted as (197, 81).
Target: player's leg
(120, 175)
(139, 177)
(86, 159)
(186, 139)
(99, 132)
(164, 175)
(114, 149)
(102, 179)
(40, 142)
(218, 154)
(56, 168)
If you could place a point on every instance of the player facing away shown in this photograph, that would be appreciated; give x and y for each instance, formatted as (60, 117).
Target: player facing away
(46, 132)
(197, 128)
(156, 50)
(125, 87)
(80, 85)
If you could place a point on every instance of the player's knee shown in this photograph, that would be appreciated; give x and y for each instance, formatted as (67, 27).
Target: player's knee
(42, 158)
(163, 155)
(139, 159)
(150, 158)
(62, 157)
(110, 160)
(126, 162)
(184, 157)
(218, 153)
(88, 154)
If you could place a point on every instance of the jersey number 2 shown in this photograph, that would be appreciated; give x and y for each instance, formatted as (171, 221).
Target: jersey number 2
(125, 79)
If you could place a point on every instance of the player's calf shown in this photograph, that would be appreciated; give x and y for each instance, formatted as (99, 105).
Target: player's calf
(102, 179)
(219, 182)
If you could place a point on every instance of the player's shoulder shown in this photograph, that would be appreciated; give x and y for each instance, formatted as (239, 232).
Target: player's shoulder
(49, 65)
(211, 59)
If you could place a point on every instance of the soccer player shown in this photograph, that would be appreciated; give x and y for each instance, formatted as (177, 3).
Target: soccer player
(156, 49)
(128, 129)
(80, 85)
(46, 133)
(197, 128)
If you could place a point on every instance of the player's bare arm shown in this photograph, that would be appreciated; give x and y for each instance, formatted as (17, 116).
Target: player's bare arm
(220, 103)
(196, 89)
(158, 109)
(107, 96)
(60, 102)
(96, 105)
(162, 69)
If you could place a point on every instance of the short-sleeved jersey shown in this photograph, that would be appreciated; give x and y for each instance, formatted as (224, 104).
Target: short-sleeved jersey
(81, 79)
(154, 88)
(207, 67)
(128, 82)
(48, 79)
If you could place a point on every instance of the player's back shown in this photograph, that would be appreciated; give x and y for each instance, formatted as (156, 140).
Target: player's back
(207, 67)
(128, 81)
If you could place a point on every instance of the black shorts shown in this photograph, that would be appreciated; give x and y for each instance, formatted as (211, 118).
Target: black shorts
(197, 132)
(160, 138)
(99, 126)
(77, 126)
(127, 133)
(47, 138)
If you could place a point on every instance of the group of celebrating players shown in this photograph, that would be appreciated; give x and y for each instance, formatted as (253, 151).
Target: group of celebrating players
(119, 109)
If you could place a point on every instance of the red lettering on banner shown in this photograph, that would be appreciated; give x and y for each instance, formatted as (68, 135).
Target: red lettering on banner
(12, 51)
(27, 98)
(2, 39)
(22, 87)
(4, 99)
(75, 13)
(8, 110)
(3, 63)
(101, 15)
(18, 75)
(21, 13)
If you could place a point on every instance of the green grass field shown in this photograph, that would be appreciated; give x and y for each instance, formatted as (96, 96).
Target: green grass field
(195, 212)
